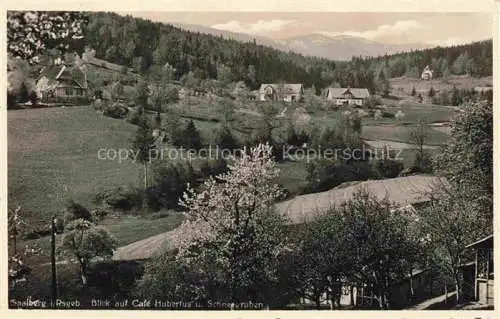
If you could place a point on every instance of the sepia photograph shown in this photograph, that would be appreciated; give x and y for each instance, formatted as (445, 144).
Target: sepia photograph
(164, 160)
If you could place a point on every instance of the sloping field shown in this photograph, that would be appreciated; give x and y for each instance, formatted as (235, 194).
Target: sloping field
(52, 155)
(401, 133)
(403, 85)
(401, 190)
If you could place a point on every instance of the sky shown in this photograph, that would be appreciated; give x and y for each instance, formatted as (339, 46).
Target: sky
(392, 28)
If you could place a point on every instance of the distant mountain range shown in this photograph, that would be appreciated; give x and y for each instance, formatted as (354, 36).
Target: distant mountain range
(330, 47)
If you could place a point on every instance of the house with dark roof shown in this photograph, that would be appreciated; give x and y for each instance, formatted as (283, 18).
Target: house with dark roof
(284, 92)
(61, 80)
(347, 96)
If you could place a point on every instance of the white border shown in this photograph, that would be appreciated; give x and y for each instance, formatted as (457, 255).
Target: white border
(242, 6)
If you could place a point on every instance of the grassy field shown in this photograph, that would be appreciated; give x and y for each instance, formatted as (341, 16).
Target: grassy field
(125, 229)
(52, 156)
(402, 86)
(52, 153)
(400, 133)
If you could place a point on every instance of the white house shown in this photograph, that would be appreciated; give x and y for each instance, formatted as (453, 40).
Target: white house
(349, 96)
(285, 92)
(426, 74)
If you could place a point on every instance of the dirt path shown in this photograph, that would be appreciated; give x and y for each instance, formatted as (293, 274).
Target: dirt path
(430, 302)
(145, 248)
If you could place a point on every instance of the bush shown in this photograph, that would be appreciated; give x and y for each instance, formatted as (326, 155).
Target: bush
(388, 115)
(37, 233)
(121, 198)
(326, 174)
(77, 211)
(99, 213)
(388, 168)
(373, 101)
(135, 116)
(116, 111)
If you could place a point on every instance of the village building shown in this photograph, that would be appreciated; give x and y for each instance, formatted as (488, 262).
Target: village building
(348, 96)
(61, 81)
(70, 76)
(478, 275)
(284, 92)
(426, 73)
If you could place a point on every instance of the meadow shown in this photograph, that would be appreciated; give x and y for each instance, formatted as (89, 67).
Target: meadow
(53, 157)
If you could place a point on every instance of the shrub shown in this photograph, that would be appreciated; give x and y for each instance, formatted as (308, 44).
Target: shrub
(99, 213)
(135, 116)
(326, 174)
(117, 111)
(388, 115)
(388, 168)
(77, 211)
(120, 198)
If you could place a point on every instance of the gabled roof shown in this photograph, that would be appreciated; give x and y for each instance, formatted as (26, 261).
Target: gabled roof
(65, 74)
(427, 69)
(402, 191)
(356, 92)
(288, 88)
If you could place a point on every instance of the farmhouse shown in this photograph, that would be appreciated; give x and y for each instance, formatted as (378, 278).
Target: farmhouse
(285, 92)
(60, 80)
(347, 96)
(426, 74)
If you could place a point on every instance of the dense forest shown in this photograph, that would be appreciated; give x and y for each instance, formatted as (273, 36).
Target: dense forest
(142, 44)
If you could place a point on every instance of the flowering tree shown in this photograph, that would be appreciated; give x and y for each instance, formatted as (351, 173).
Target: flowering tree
(232, 223)
(31, 32)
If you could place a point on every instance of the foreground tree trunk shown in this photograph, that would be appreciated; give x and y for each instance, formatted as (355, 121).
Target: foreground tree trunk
(144, 202)
(458, 287)
(83, 271)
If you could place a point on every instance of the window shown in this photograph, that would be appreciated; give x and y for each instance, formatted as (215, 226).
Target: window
(294, 98)
(68, 91)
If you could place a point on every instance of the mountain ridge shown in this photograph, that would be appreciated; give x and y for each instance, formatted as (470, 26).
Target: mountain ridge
(337, 48)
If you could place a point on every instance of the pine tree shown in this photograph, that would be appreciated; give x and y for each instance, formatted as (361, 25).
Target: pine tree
(157, 120)
(225, 139)
(23, 94)
(432, 92)
(191, 138)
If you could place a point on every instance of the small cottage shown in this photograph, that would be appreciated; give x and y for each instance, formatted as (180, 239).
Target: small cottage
(61, 80)
(348, 96)
(426, 73)
(284, 92)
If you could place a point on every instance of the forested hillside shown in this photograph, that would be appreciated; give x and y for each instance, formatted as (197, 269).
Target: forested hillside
(141, 44)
